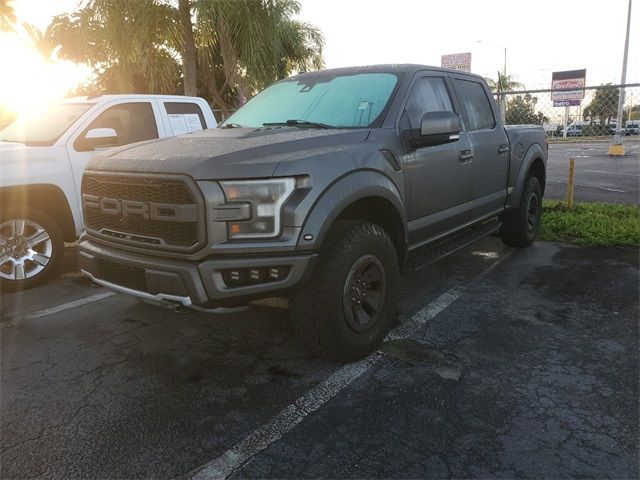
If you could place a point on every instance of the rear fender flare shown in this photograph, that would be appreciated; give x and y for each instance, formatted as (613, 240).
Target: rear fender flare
(535, 152)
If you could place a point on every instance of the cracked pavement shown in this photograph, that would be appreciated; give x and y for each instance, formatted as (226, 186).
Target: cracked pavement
(532, 372)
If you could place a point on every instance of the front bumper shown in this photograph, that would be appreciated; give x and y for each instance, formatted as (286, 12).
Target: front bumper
(198, 285)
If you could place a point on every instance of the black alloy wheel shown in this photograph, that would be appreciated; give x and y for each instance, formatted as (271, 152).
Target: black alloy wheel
(364, 293)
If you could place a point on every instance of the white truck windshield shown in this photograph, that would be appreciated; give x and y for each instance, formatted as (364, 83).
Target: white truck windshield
(44, 128)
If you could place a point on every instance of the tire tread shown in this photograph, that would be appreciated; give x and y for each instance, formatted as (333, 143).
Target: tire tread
(513, 231)
(308, 304)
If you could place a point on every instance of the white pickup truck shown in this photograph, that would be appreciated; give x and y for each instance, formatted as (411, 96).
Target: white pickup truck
(42, 158)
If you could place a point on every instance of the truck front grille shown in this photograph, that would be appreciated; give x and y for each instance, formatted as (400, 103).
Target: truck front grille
(154, 212)
(137, 188)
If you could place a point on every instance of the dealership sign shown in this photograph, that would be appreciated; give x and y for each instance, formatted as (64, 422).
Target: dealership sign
(456, 61)
(568, 87)
(566, 103)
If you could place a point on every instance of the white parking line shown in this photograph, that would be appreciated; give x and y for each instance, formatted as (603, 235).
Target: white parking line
(613, 173)
(588, 186)
(68, 305)
(294, 414)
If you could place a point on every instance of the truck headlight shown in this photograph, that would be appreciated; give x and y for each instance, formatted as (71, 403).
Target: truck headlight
(264, 199)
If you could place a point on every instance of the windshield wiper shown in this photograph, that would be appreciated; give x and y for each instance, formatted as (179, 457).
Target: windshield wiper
(231, 125)
(297, 123)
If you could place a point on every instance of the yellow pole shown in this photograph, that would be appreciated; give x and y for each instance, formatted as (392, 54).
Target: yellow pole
(570, 183)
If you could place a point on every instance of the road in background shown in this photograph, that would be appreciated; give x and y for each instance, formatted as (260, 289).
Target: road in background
(599, 177)
(529, 371)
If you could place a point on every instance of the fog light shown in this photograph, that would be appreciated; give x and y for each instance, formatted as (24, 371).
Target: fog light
(256, 275)
(236, 277)
(275, 273)
(239, 277)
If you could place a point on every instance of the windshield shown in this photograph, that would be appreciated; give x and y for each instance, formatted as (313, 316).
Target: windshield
(343, 101)
(44, 128)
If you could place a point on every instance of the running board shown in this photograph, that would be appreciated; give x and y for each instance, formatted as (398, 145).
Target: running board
(427, 255)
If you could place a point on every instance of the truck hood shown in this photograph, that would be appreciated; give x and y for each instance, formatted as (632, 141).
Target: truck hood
(225, 152)
(11, 147)
(12, 153)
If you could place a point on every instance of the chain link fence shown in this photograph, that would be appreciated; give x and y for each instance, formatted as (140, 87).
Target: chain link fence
(595, 117)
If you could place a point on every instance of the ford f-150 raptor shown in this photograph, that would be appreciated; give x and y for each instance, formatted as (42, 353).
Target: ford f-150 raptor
(322, 188)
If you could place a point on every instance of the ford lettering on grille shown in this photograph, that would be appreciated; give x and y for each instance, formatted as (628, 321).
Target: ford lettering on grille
(145, 210)
(156, 212)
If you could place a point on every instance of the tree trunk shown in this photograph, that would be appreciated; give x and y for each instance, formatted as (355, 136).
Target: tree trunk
(188, 48)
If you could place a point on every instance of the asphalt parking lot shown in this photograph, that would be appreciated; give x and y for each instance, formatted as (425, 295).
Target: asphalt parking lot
(599, 177)
(503, 363)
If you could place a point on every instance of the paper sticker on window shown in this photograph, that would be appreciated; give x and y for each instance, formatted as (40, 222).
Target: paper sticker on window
(178, 124)
(193, 122)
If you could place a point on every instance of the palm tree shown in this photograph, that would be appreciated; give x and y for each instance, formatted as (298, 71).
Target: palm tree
(187, 47)
(129, 44)
(504, 83)
(245, 45)
(41, 41)
(228, 48)
(7, 16)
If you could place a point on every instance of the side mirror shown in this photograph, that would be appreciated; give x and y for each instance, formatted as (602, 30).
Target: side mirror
(101, 137)
(437, 128)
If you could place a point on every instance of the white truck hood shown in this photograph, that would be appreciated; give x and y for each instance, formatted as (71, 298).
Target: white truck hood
(23, 165)
(11, 146)
(12, 152)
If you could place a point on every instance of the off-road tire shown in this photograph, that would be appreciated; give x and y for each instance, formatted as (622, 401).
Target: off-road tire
(520, 227)
(40, 218)
(323, 322)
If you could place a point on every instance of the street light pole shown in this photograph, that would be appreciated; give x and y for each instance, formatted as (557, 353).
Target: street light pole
(502, 99)
(617, 149)
(504, 65)
(504, 68)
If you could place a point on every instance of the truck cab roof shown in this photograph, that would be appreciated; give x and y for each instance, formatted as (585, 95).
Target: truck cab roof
(404, 68)
(139, 96)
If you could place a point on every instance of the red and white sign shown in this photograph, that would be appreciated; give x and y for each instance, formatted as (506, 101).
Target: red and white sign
(567, 85)
(457, 61)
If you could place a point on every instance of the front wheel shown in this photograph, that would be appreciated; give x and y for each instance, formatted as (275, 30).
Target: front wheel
(31, 246)
(345, 310)
(520, 227)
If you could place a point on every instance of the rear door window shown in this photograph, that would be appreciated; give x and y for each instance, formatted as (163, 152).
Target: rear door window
(476, 108)
(185, 117)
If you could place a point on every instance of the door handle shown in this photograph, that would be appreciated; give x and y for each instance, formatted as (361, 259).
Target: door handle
(465, 155)
(503, 148)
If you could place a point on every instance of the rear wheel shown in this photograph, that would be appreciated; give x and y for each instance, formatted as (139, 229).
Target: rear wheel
(31, 246)
(345, 310)
(520, 227)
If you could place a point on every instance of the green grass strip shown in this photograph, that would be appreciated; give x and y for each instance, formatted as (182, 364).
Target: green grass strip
(591, 224)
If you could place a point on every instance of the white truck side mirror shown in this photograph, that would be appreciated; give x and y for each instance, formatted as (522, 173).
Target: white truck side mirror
(99, 139)
(101, 133)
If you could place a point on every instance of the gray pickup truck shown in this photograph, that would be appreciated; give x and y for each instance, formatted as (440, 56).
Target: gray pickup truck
(321, 189)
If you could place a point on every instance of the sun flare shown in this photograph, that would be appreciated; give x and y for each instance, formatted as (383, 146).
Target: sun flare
(28, 81)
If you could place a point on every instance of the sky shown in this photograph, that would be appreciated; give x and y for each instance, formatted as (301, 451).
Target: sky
(540, 36)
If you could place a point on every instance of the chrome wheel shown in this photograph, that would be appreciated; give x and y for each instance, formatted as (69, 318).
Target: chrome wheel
(25, 249)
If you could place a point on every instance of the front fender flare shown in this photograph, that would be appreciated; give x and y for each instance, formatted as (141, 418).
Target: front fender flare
(340, 195)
